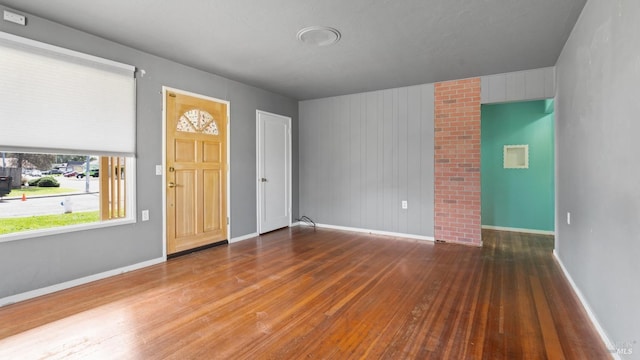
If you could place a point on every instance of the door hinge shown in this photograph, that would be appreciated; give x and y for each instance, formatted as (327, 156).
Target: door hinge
(172, 95)
(227, 220)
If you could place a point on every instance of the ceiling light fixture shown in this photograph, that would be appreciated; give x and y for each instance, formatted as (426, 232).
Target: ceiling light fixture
(319, 35)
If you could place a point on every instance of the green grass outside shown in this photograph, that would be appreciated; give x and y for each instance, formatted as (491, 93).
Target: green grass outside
(13, 225)
(38, 191)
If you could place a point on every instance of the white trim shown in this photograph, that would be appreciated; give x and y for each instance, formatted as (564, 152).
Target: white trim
(594, 320)
(377, 232)
(164, 171)
(258, 164)
(520, 230)
(66, 229)
(297, 223)
(243, 237)
(164, 158)
(81, 281)
(228, 166)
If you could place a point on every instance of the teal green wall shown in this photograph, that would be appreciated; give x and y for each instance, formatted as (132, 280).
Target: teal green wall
(518, 198)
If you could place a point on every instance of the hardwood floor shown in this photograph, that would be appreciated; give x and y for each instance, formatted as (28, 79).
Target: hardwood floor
(323, 294)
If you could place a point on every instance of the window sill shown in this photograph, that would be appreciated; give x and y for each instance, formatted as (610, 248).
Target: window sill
(64, 230)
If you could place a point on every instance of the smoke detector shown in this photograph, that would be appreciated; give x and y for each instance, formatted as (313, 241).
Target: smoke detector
(319, 35)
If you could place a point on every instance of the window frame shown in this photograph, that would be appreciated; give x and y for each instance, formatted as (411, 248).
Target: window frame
(131, 218)
(506, 158)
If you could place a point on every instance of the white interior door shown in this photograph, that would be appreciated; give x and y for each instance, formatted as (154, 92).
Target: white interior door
(274, 171)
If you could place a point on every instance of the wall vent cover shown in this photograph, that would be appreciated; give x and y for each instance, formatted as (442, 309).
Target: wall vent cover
(516, 157)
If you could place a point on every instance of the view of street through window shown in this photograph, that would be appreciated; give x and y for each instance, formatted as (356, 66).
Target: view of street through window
(13, 204)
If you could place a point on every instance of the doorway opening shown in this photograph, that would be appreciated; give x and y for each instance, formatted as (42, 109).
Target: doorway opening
(518, 167)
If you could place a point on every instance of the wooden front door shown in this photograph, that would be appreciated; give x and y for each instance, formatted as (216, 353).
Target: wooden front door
(196, 171)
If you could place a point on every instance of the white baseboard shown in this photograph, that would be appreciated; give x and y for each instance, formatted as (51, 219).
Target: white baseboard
(242, 238)
(81, 281)
(594, 320)
(528, 231)
(377, 232)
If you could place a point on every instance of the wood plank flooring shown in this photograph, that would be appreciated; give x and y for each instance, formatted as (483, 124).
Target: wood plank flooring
(318, 294)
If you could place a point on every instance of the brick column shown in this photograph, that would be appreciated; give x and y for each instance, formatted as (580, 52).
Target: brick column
(457, 162)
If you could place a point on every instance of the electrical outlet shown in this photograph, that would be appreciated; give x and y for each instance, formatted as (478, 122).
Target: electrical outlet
(405, 204)
(15, 18)
(145, 215)
(158, 169)
(568, 218)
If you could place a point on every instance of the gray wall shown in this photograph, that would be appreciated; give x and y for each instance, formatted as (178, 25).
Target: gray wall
(34, 263)
(598, 178)
(524, 85)
(362, 154)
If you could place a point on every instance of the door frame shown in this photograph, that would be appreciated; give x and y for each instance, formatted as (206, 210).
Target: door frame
(166, 89)
(258, 163)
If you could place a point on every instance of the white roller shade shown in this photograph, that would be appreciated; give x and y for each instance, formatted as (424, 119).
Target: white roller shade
(62, 101)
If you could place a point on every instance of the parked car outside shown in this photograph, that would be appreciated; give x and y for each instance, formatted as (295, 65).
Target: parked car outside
(31, 173)
(52, 172)
(92, 173)
(70, 174)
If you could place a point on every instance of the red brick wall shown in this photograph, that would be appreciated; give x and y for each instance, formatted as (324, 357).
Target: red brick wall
(457, 162)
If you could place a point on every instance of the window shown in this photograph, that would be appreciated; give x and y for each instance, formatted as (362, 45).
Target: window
(52, 191)
(58, 106)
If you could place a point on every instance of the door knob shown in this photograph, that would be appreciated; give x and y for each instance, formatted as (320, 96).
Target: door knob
(171, 185)
(263, 180)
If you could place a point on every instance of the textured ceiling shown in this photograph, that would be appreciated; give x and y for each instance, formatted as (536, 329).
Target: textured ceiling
(384, 43)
